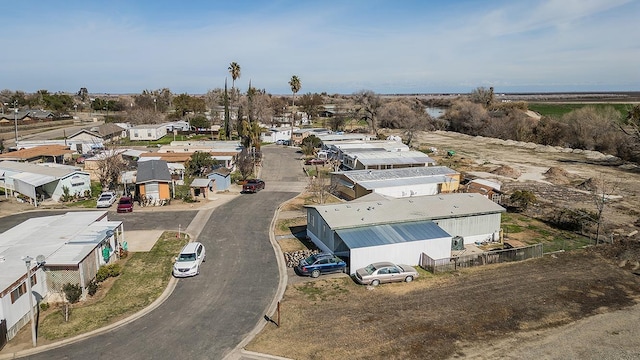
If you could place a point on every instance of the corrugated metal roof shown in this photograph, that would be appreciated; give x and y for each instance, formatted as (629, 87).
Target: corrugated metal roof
(201, 182)
(391, 234)
(60, 238)
(371, 158)
(34, 179)
(418, 208)
(394, 174)
(58, 171)
(376, 184)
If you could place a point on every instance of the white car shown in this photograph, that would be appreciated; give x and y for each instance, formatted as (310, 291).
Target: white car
(106, 199)
(189, 261)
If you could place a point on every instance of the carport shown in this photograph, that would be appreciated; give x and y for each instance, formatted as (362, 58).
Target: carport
(30, 184)
(399, 243)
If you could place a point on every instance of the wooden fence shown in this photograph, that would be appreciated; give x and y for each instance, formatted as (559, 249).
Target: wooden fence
(488, 257)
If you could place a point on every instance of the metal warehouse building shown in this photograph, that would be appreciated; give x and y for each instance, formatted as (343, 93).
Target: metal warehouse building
(399, 230)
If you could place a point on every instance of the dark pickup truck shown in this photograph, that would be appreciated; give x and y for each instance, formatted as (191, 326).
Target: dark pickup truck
(252, 186)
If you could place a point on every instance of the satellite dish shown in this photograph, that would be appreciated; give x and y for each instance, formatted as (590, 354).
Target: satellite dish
(40, 259)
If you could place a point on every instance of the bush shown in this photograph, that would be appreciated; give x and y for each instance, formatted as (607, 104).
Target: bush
(107, 271)
(92, 288)
(72, 292)
(44, 306)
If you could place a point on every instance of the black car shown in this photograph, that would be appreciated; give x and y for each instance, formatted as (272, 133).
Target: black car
(317, 264)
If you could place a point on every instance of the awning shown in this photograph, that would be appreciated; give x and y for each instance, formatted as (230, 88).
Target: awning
(200, 183)
(26, 183)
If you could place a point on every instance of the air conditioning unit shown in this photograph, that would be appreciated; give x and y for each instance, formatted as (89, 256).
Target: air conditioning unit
(457, 243)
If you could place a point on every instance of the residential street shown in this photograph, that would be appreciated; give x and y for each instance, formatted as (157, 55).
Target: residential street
(208, 315)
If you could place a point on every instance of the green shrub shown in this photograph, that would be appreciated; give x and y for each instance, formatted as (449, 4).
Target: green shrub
(72, 292)
(92, 288)
(107, 271)
(44, 306)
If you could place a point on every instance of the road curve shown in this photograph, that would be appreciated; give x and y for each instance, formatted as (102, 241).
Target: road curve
(207, 316)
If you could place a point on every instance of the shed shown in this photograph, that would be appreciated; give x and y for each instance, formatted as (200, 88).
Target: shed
(152, 181)
(202, 188)
(222, 177)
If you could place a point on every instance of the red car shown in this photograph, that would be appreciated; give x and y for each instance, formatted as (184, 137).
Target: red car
(125, 204)
(315, 162)
(252, 186)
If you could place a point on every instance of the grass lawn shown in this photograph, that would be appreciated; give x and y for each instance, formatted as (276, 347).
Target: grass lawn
(531, 231)
(557, 110)
(144, 277)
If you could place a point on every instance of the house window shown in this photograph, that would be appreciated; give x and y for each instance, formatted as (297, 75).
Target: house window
(148, 133)
(19, 291)
(135, 133)
(34, 279)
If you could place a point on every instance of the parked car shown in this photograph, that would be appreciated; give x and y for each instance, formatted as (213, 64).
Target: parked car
(315, 162)
(125, 204)
(252, 186)
(383, 272)
(189, 260)
(106, 199)
(317, 264)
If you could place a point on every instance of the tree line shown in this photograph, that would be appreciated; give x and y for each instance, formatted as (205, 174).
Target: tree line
(241, 113)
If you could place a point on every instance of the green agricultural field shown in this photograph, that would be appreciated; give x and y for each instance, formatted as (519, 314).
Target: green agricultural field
(557, 110)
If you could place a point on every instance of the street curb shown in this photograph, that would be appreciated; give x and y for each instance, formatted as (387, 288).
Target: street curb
(156, 303)
(237, 352)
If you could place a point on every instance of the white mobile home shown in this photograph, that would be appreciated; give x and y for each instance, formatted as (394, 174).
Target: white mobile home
(368, 231)
(147, 132)
(73, 247)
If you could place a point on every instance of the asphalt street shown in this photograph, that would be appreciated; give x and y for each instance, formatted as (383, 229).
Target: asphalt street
(208, 315)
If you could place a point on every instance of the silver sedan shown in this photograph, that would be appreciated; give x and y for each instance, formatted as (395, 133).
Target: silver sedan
(383, 272)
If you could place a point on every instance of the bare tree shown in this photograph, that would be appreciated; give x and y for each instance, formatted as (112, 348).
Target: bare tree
(110, 166)
(321, 188)
(403, 115)
(139, 116)
(245, 163)
(368, 104)
(601, 196)
(482, 96)
(467, 117)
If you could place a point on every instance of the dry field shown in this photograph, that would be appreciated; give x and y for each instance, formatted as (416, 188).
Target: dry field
(517, 310)
(443, 316)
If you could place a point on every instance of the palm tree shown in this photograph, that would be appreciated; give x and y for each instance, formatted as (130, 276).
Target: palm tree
(234, 70)
(295, 87)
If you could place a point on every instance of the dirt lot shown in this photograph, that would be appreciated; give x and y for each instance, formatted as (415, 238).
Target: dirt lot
(578, 304)
(559, 177)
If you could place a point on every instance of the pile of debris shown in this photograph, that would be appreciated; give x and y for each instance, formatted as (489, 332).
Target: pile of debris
(558, 176)
(293, 258)
(507, 171)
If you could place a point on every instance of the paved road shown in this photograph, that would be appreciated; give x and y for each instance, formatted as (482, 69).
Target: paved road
(208, 315)
(138, 220)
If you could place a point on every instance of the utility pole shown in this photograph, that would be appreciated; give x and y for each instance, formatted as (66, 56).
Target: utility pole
(15, 119)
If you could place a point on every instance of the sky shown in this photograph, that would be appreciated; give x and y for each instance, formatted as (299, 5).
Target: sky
(333, 46)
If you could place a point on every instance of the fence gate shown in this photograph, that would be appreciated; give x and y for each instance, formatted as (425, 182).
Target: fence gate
(3, 333)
